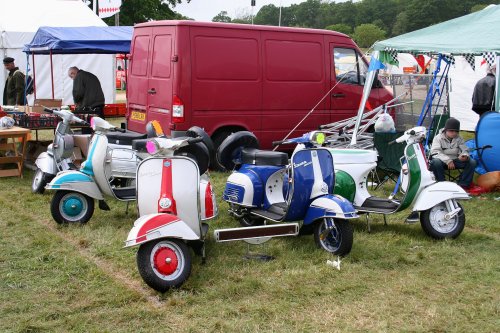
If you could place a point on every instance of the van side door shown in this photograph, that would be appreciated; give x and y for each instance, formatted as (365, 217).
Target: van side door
(347, 75)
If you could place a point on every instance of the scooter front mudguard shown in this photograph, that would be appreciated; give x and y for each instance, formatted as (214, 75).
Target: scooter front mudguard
(46, 163)
(437, 193)
(153, 226)
(330, 205)
(76, 181)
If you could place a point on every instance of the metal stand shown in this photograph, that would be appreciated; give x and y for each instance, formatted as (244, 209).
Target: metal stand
(368, 222)
(257, 256)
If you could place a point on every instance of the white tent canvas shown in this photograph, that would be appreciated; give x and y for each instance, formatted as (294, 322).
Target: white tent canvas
(20, 19)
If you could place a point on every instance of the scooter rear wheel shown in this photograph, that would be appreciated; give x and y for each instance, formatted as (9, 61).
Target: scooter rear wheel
(338, 240)
(434, 224)
(164, 264)
(40, 179)
(71, 207)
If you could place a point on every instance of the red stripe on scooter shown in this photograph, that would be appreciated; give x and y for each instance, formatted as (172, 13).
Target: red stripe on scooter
(166, 188)
(209, 204)
(153, 223)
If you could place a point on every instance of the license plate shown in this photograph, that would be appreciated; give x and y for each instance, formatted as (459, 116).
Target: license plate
(141, 116)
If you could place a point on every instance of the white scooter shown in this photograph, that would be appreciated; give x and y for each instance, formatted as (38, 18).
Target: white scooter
(59, 154)
(108, 171)
(441, 216)
(174, 201)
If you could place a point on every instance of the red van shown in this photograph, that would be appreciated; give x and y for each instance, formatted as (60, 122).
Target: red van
(231, 77)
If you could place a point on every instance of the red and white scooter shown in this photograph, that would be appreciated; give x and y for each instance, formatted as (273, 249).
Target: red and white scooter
(175, 200)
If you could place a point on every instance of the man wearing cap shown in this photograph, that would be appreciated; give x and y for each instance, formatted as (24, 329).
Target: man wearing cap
(13, 92)
(449, 152)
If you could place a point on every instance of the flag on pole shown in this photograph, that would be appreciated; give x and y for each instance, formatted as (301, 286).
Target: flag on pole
(389, 56)
(109, 8)
(375, 64)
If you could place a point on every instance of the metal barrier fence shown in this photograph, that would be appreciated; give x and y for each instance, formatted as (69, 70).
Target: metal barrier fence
(417, 86)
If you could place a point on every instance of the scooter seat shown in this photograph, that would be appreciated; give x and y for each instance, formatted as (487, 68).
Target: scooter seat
(263, 157)
(140, 144)
(124, 139)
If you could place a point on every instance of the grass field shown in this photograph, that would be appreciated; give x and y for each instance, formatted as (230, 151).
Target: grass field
(80, 279)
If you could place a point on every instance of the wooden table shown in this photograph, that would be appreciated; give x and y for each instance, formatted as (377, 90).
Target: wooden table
(17, 155)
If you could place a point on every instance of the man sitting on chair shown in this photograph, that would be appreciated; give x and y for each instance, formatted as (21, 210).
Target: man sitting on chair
(449, 152)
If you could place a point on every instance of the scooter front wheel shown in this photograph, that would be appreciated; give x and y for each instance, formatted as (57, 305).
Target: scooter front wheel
(40, 179)
(71, 207)
(435, 224)
(334, 236)
(164, 264)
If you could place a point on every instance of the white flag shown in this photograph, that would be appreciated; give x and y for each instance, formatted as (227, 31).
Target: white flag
(109, 8)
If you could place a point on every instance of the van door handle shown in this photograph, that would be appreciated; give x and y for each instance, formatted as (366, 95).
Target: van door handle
(338, 95)
(152, 91)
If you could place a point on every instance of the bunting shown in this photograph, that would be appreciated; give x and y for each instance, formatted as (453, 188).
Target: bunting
(450, 59)
(489, 57)
(471, 59)
(389, 56)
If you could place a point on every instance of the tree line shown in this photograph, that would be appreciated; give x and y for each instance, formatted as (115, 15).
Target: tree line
(366, 21)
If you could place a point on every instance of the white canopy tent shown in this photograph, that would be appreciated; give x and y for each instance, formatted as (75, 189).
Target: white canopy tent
(20, 19)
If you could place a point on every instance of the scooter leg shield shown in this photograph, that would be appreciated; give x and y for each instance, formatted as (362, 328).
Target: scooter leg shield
(437, 193)
(46, 163)
(330, 206)
(154, 226)
(76, 181)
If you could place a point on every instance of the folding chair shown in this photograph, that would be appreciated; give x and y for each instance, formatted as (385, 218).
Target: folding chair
(388, 156)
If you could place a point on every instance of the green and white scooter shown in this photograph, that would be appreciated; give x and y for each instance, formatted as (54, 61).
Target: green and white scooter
(441, 216)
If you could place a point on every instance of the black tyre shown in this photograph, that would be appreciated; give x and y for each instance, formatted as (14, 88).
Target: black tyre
(251, 221)
(338, 240)
(71, 207)
(218, 139)
(164, 263)
(435, 225)
(196, 131)
(198, 152)
(40, 179)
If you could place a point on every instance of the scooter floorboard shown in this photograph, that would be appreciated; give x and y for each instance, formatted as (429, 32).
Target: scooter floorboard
(275, 212)
(378, 205)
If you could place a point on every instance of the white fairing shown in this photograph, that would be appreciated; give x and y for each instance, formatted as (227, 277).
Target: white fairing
(184, 185)
(154, 226)
(357, 163)
(245, 182)
(63, 182)
(122, 160)
(46, 163)
(319, 187)
(437, 193)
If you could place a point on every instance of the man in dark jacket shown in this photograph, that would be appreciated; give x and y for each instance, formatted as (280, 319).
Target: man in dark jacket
(13, 92)
(483, 98)
(87, 91)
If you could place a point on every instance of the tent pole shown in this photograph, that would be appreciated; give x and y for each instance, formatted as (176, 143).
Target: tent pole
(497, 88)
(52, 73)
(34, 75)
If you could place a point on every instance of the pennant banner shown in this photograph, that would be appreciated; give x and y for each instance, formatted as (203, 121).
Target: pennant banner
(109, 8)
(489, 57)
(471, 59)
(449, 58)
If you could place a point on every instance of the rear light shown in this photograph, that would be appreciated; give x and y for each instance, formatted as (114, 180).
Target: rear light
(177, 110)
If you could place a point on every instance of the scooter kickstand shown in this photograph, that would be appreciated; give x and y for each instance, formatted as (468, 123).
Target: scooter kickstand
(368, 222)
(385, 219)
(126, 209)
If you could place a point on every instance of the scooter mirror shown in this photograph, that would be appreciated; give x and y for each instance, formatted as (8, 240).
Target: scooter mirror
(151, 147)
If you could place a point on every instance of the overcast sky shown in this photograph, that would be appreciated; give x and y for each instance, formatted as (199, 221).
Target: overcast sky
(205, 10)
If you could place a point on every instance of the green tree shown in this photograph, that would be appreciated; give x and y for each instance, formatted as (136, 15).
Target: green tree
(477, 8)
(367, 34)
(222, 17)
(307, 13)
(401, 25)
(267, 15)
(340, 27)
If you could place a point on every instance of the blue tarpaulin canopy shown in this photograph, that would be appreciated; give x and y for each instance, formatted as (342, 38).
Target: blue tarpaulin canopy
(80, 40)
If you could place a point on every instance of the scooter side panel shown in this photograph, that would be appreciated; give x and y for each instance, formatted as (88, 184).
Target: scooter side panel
(330, 206)
(76, 181)
(160, 225)
(437, 193)
(243, 187)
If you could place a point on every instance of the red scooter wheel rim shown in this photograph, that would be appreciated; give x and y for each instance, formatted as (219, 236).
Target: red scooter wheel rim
(165, 261)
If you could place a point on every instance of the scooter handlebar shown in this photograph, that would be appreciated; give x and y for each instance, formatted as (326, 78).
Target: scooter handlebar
(46, 109)
(118, 129)
(277, 143)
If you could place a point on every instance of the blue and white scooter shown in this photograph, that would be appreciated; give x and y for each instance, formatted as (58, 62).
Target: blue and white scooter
(266, 187)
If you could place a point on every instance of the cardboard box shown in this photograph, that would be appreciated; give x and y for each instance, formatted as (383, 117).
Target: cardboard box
(82, 141)
(40, 103)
